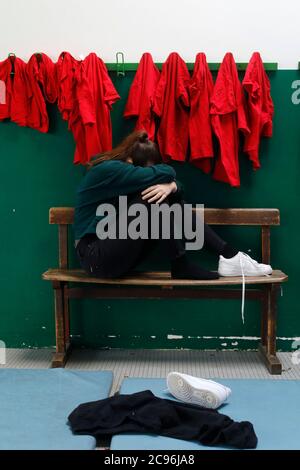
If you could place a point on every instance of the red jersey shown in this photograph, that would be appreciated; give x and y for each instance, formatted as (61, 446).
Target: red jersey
(200, 131)
(66, 67)
(102, 94)
(6, 86)
(15, 91)
(85, 97)
(171, 104)
(42, 86)
(19, 105)
(83, 117)
(260, 107)
(70, 76)
(140, 100)
(228, 117)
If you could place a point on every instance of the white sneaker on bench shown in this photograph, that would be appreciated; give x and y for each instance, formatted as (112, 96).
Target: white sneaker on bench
(202, 392)
(242, 265)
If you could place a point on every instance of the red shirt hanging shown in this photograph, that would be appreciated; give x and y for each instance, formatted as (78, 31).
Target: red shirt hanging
(260, 107)
(172, 106)
(200, 131)
(83, 122)
(85, 97)
(140, 100)
(14, 102)
(6, 88)
(228, 117)
(66, 67)
(103, 95)
(19, 106)
(42, 84)
(71, 82)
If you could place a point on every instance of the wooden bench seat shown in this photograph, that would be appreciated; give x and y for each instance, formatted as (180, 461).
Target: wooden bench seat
(158, 278)
(75, 283)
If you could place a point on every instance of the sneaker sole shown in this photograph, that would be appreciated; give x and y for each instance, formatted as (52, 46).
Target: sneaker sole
(231, 273)
(182, 390)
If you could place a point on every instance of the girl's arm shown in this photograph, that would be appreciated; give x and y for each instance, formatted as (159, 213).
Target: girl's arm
(125, 178)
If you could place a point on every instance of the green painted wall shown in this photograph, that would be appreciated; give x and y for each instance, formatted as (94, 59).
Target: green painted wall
(37, 173)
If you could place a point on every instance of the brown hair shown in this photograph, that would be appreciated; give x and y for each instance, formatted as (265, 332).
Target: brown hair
(136, 146)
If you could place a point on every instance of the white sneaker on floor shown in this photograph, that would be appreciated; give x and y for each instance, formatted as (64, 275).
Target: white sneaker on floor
(197, 391)
(242, 265)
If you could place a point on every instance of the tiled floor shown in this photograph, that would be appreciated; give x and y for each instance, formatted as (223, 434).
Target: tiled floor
(157, 363)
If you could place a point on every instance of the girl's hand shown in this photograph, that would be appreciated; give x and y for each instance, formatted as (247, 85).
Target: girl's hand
(159, 192)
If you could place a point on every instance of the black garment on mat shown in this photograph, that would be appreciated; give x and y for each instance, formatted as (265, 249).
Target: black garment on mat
(143, 412)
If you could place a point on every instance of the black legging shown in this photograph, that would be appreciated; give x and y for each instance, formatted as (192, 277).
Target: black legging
(112, 258)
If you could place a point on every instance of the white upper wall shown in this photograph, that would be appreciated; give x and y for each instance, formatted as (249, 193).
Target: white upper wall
(158, 26)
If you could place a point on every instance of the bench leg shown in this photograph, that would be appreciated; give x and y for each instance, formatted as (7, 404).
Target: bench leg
(268, 329)
(67, 317)
(60, 356)
(264, 318)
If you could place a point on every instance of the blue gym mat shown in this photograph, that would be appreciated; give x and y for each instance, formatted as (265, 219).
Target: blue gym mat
(35, 404)
(273, 407)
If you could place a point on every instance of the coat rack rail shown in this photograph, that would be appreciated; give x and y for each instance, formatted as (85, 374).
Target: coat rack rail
(132, 67)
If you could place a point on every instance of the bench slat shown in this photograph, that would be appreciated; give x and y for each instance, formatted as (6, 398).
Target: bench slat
(65, 216)
(242, 216)
(158, 278)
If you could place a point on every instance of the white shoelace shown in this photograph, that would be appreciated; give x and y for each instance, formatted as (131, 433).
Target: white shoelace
(243, 290)
(254, 263)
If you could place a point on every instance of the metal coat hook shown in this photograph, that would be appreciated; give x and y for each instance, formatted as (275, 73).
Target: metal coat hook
(120, 66)
(12, 55)
(39, 56)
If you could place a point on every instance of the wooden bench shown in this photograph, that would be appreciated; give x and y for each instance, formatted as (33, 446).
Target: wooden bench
(76, 284)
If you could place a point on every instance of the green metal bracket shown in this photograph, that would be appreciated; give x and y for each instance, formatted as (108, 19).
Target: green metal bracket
(132, 66)
(120, 65)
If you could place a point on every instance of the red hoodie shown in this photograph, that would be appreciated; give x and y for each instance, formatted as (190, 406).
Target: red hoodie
(200, 131)
(172, 106)
(228, 117)
(260, 107)
(42, 87)
(141, 95)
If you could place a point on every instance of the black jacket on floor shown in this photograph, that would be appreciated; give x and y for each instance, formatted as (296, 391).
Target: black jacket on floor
(143, 412)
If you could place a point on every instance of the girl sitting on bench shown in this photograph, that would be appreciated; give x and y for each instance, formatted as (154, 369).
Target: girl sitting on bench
(135, 169)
